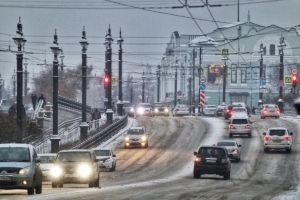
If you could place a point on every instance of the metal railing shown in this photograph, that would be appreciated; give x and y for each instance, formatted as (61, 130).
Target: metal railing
(72, 104)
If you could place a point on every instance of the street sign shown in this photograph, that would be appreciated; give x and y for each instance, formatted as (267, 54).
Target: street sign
(179, 93)
(287, 80)
(114, 81)
(203, 79)
(263, 82)
(225, 52)
(294, 71)
(202, 86)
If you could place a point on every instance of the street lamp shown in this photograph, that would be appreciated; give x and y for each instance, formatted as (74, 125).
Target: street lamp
(175, 89)
(120, 102)
(281, 71)
(25, 81)
(1, 83)
(224, 78)
(158, 81)
(108, 41)
(143, 88)
(261, 50)
(83, 126)
(55, 138)
(20, 42)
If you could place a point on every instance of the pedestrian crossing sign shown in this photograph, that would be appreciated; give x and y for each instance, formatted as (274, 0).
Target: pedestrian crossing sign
(287, 79)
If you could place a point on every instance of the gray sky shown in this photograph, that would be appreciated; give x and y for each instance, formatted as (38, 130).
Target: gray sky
(145, 33)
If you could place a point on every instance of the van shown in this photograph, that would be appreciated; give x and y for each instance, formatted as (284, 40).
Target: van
(240, 125)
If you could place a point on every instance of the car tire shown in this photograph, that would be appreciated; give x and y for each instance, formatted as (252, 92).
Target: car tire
(289, 150)
(60, 184)
(197, 175)
(266, 150)
(30, 191)
(38, 189)
(54, 185)
(226, 176)
(96, 183)
(115, 166)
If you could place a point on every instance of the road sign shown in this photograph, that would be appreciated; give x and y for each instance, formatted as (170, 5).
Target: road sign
(202, 98)
(114, 81)
(179, 93)
(225, 52)
(202, 86)
(287, 80)
(294, 71)
(263, 82)
(203, 79)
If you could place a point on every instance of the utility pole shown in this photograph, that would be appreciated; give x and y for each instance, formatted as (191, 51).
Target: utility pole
(120, 102)
(281, 71)
(158, 82)
(224, 79)
(193, 96)
(25, 77)
(261, 75)
(143, 88)
(175, 88)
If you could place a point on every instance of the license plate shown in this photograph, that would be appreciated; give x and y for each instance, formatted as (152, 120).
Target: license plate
(276, 141)
(70, 175)
(211, 161)
(5, 178)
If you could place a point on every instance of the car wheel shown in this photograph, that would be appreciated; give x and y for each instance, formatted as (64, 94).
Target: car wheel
(54, 185)
(197, 175)
(60, 184)
(226, 176)
(289, 150)
(266, 150)
(38, 189)
(96, 183)
(30, 191)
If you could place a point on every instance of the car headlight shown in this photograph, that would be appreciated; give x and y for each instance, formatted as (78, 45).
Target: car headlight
(84, 170)
(126, 138)
(108, 160)
(131, 110)
(56, 171)
(144, 138)
(140, 110)
(166, 110)
(25, 170)
(155, 110)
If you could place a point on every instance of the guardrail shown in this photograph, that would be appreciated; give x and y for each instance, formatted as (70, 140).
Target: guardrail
(70, 103)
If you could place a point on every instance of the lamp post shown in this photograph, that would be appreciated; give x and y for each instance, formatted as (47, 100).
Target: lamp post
(224, 79)
(158, 81)
(143, 88)
(120, 102)
(281, 71)
(108, 42)
(193, 95)
(1, 83)
(83, 126)
(175, 88)
(261, 76)
(20, 42)
(25, 77)
(55, 138)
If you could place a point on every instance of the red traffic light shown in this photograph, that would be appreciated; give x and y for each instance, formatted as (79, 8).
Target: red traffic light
(294, 78)
(106, 80)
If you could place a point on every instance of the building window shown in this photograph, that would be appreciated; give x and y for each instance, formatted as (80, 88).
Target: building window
(243, 73)
(238, 98)
(272, 49)
(233, 73)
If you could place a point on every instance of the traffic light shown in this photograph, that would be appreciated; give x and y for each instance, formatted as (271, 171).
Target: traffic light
(294, 80)
(106, 81)
(292, 90)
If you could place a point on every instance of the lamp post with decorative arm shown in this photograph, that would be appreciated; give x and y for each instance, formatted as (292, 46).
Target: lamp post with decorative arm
(281, 72)
(120, 102)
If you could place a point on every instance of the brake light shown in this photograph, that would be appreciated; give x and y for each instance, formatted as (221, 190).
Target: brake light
(247, 126)
(267, 138)
(197, 159)
(231, 127)
(265, 111)
(235, 150)
(227, 110)
(287, 138)
(278, 111)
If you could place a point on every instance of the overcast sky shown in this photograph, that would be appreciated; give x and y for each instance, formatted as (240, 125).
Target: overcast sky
(145, 33)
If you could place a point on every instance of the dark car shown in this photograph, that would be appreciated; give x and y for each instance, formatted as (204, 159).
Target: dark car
(75, 166)
(160, 108)
(227, 112)
(219, 110)
(128, 108)
(212, 160)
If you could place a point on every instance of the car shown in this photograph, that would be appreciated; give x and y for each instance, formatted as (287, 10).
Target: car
(239, 109)
(181, 110)
(47, 162)
(278, 138)
(269, 110)
(240, 125)
(211, 159)
(107, 159)
(227, 112)
(209, 110)
(243, 104)
(160, 108)
(233, 148)
(20, 168)
(144, 109)
(219, 110)
(136, 136)
(128, 108)
(77, 166)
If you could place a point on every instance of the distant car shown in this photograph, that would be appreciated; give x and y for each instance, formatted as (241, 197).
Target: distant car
(128, 108)
(219, 110)
(181, 110)
(243, 104)
(160, 108)
(209, 110)
(232, 147)
(212, 160)
(107, 159)
(47, 162)
(144, 109)
(239, 110)
(227, 112)
(75, 166)
(136, 136)
(278, 138)
(269, 110)
(20, 168)
(240, 125)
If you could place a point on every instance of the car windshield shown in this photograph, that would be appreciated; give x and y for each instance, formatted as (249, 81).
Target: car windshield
(271, 106)
(47, 159)
(127, 105)
(238, 110)
(14, 154)
(159, 105)
(211, 152)
(239, 121)
(226, 144)
(277, 132)
(135, 132)
(102, 152)
(74, 157)
(145, 105)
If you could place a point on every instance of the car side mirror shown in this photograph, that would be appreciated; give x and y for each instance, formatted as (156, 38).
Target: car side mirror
(264, 133)
(195, 153)
(37, 160)
(114, 155)
(240, 145)
(291, 133)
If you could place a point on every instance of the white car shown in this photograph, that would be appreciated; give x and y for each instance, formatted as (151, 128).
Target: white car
(143, 109)
(181, 110)
(269, 110)
(107, 159)
(278, 138)
(47, 162)
(136, 136)
(209, 110)
(233, 148)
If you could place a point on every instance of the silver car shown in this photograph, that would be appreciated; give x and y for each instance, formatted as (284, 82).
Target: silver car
(136, 136)
(269, 110)
(209, 110)
(128, 108)
(47, 162)
(143, 109)
(107, 159)
(240, 125)
(181, 110)
(278, 138)
(233, 148)
(20, 168)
